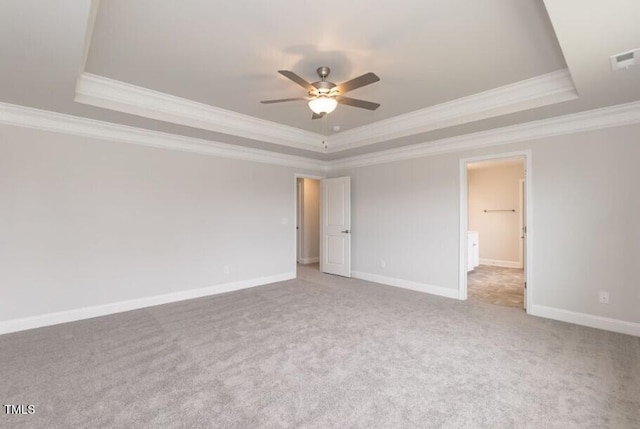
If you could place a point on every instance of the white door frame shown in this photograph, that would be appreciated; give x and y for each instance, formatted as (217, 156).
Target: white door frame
(297, 176)
(464, 216)
(299, 218)
(521, 220)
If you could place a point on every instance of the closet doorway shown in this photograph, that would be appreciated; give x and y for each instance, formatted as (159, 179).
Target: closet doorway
(307, 223)
(495, 231)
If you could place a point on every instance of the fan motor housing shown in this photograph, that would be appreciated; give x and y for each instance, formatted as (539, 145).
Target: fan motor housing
(323, 87)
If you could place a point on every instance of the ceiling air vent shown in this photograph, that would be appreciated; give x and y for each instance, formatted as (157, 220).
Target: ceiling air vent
(625, 60)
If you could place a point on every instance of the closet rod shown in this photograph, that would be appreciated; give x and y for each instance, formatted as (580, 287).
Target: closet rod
(504, 210)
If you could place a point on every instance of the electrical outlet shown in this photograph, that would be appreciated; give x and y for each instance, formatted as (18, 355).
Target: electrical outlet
(383, 263)
(225, 269)
(603, 297)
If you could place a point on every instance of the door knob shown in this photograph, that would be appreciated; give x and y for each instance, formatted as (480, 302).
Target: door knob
(346, 231)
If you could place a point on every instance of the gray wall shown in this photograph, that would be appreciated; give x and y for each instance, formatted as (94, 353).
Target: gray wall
(87, 222)
(405, 213)
(586, 220)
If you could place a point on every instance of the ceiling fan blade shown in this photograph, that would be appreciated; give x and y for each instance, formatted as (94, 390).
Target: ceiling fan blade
(317, 115)
(358, 103)
(297, 79)
(282, 100)
(360, 81)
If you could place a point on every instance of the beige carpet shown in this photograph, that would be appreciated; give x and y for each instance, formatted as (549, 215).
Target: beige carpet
(321, 352)
(496, 285)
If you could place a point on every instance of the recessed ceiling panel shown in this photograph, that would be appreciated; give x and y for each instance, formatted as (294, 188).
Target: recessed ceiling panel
(227, 54)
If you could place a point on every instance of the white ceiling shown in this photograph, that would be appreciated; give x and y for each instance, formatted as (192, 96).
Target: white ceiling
(226, 57)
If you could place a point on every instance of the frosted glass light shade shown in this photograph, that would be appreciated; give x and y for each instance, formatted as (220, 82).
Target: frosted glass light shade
(323, 105)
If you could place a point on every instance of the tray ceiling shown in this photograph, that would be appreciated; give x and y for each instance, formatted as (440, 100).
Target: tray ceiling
(196, 69)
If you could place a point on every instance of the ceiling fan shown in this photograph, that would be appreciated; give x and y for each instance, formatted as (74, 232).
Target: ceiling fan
(324, 96)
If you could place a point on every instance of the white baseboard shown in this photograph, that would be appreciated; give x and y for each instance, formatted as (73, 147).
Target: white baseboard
(309, 260)
(584, 319)
(500, 263)
(16, 325)
(406, 284)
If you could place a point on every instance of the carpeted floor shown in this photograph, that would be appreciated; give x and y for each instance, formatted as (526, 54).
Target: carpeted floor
(321, 352)
(496, 285)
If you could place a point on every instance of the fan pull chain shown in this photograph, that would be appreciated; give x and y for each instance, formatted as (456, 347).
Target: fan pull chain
(324, 131)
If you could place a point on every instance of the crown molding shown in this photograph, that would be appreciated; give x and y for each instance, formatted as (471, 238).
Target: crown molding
(94, 6)
(27, 117)
(543, 90)
(123, 97)
(613, 116)
(550, 88)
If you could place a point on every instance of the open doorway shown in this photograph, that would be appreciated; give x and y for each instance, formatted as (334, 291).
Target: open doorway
(307, 225)
(496, 239)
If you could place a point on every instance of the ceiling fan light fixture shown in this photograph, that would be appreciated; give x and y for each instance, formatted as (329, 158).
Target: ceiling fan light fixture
(323, 104)
(324, 96)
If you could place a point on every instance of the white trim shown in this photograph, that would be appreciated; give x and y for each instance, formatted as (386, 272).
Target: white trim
(463, 243)
(619, 115)
(16, 325)
(592, 321)
(27, 117)
(528, 219)
(88, 34)
(299, 218)
(543, 90)
(501, 263)
(606, 117)
(406, 284)
(123, 97)
(305, 261)
(464, 213)
(521, 227)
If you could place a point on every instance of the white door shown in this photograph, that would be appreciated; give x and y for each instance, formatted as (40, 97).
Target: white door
(523, 235)
(299, 219)
(336, 226)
